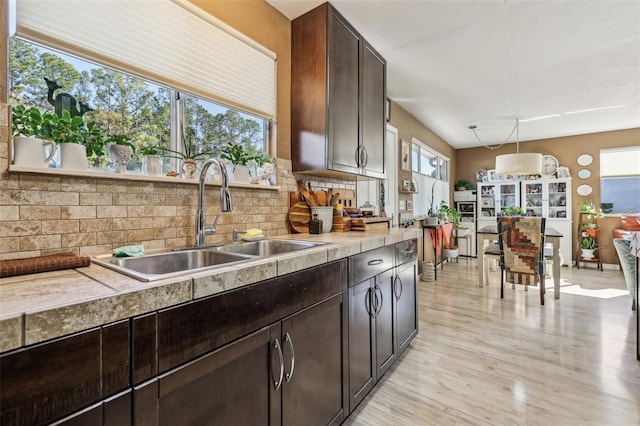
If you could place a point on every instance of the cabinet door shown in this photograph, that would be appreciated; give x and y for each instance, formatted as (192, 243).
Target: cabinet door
(509, 195)
(343, 78)
(385, 335)
(314, 345)
(361, 342)
(404, 292)
(534, 198)
(38, 385)
(558, 199)
(373, 111)
(228, 386)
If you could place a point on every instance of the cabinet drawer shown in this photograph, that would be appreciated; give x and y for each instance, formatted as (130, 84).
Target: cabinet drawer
(368, 264)
(406, 251)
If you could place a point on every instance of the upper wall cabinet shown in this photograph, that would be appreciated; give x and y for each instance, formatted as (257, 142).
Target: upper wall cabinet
(338, 86)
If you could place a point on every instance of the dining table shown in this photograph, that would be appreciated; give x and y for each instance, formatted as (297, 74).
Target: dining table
(551, 235)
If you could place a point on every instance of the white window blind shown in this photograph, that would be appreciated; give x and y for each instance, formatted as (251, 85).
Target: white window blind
(173, 42)
(620, 161)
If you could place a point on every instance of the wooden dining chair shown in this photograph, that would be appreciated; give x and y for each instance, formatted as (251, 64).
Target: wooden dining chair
(521, 240)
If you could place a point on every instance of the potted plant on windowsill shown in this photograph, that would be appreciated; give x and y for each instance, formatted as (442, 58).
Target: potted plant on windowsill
(29, 141)
(76, 140)
(121, 151)
(432, 215)
(188, 158)
(239, 158)
(265, 173)
(151, 160)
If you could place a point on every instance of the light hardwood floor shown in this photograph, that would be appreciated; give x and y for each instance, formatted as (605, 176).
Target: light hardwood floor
(480, 360)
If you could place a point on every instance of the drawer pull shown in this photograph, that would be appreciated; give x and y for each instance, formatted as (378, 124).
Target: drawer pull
(375, 262)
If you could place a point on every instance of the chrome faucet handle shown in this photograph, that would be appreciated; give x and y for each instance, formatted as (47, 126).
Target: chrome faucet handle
(212, 229)
(236, 235)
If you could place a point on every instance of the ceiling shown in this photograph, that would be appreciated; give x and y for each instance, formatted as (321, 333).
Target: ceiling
(560, 67)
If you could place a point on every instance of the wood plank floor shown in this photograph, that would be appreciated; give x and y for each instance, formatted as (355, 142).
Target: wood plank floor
(480, 360)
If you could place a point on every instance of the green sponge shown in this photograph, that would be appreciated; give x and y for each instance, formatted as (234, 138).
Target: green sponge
(128, 251)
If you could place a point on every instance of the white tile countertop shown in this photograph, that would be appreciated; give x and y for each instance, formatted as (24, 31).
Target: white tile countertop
(39, 307)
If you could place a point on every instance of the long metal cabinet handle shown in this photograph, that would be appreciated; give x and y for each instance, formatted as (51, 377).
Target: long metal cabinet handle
(365, 160)
(401, 288)
(375, 262)
(367, 302)
(278, 382)
(395, 286)
(287, 339)
(357, 156)
(380, 301)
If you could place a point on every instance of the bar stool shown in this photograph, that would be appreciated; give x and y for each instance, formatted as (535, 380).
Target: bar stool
(491, 252)
(467, 237)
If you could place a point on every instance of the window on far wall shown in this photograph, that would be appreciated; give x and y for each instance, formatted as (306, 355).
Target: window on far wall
(430, 172)
(620, 180)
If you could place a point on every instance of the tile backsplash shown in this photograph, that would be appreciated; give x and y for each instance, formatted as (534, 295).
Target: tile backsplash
(44, 214)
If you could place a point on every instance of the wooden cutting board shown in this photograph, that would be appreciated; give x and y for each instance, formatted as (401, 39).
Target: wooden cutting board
(299, 217)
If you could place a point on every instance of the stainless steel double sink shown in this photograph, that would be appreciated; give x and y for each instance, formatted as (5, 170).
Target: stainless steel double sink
(164, 264)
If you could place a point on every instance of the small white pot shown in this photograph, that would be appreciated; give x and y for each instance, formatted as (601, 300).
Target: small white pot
(241, 174)
(588, 253)
(152, 165)
(32, 152)
(73, 156)
(451, 253)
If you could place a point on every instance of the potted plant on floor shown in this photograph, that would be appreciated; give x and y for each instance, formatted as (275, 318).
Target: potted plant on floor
(588, 246)
(451, 250)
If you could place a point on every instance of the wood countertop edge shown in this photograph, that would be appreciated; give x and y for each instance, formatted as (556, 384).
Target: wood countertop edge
(130, 297)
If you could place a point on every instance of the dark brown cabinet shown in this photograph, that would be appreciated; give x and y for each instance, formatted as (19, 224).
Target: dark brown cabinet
(267, 353)
(289, 373)
(383, 315)
(48, 381)
(374, 89)
(372, 347)
(406, 301)
(338, 97)
(405, 292)
(314, 347)
(303, 348)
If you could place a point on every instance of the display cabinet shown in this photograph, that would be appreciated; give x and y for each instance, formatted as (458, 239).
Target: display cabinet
(493, 198)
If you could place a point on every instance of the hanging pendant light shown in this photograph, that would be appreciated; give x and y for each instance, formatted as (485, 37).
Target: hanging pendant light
(519, 163)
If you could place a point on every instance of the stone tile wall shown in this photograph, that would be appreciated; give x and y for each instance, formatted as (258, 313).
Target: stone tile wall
(43, 214)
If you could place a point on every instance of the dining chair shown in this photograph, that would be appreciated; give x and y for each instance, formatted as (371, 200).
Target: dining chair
(522, 259)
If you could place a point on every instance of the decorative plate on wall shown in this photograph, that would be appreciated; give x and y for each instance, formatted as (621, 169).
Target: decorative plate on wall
(585, 159)
(584, 190)
(584, 174)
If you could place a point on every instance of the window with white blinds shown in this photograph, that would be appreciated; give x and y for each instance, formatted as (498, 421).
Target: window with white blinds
(620, 180)
(170, 41)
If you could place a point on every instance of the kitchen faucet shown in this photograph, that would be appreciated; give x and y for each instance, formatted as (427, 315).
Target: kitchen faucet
(226, 204)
